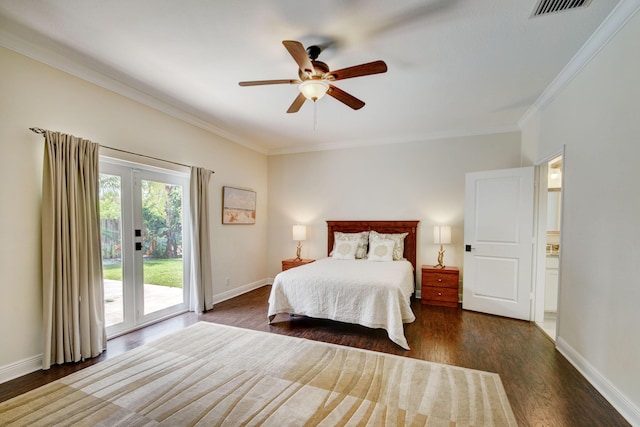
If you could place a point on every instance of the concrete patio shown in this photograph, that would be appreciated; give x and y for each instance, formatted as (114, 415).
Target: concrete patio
(156, 298)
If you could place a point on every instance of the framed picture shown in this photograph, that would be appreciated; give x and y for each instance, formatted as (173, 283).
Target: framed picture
(238, 206)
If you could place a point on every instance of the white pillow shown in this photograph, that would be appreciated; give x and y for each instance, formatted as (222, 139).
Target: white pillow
(345, 249)
(362, 238)
(381, 250)
(398, 249)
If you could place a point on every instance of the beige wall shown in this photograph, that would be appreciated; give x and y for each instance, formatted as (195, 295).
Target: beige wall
(33, 94)
(413, 181)
(596, 116)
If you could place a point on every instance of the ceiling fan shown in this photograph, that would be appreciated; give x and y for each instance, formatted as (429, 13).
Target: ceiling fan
(315, 77)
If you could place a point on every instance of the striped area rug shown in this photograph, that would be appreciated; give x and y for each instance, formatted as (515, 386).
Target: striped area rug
(210, 375)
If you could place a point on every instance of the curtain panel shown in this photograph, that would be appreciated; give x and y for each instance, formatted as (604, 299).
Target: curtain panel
(201, 275)
(73, 293)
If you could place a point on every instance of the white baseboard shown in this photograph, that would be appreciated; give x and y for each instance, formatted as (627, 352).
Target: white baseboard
(20, 368)
(232, 293)
(32, 364)
(618, 400)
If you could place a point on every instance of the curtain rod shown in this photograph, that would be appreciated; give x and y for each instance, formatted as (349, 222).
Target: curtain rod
(41, 131)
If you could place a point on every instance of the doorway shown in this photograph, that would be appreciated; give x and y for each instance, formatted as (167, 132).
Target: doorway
(550, 226)
(144, 235)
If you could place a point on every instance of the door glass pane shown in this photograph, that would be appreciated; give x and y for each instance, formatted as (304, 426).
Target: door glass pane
(162, 245)
(111, 238)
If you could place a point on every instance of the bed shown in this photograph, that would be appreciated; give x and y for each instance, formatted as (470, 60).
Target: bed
(359, 291)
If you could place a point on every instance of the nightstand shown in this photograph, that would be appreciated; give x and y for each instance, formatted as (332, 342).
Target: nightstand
(292, 262)
(440, 286)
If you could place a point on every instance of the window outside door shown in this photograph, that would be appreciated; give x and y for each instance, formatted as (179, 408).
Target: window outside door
(144, 245)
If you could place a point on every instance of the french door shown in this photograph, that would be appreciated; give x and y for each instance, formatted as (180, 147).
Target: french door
(144, 244)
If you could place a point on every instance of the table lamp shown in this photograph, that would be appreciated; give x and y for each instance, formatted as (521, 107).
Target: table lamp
(441, 235)
(299, 234)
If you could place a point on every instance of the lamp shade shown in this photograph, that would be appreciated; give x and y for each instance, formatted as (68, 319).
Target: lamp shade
(314, 89)
(299, 232)
(442, 234)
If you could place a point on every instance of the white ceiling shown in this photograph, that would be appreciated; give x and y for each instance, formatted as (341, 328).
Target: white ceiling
(456, 67)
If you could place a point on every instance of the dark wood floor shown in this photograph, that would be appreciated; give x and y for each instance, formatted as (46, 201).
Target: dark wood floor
(543, 387)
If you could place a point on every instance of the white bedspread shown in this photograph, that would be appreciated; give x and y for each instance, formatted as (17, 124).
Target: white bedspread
(372, 294)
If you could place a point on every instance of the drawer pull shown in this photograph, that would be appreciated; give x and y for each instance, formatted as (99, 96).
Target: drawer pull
(439, 294)
(439, 279)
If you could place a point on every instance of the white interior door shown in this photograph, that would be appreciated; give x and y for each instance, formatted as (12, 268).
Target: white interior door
(498, 233)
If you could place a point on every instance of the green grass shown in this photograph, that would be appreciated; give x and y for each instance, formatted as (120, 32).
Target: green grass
(163, 272)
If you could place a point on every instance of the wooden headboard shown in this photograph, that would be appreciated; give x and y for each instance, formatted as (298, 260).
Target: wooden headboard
(383, 227)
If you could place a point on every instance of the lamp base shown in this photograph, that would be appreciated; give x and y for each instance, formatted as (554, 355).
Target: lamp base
(298, 252)
(440, 258)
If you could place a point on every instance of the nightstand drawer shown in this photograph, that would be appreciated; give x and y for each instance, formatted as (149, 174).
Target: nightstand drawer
(440, 296)
(447, 280)
(440, 286)
(291, 263)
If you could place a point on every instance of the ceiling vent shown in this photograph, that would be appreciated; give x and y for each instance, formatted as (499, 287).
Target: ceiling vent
(545, 7)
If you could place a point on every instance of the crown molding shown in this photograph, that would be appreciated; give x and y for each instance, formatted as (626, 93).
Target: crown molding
(391, 141)
(616, 20)
(21, 40)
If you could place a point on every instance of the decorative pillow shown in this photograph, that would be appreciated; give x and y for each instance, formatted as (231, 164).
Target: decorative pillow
(362, 238)
(381, 250)
(398, 249)
(345, 249)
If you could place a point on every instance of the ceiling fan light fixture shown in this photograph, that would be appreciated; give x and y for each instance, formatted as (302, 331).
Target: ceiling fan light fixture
(314, 89)
(315, 78)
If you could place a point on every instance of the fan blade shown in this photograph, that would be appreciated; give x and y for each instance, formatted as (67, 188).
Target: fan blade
(345, 98)
(374, 67)
(297, 103)
(299, 54)
(269, 82)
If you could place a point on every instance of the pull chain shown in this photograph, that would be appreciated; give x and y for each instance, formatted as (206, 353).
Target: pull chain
(315, 115)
